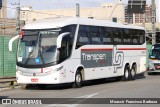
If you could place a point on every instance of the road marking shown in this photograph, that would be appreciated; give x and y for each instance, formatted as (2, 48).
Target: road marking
(72, 100)
(88, 96)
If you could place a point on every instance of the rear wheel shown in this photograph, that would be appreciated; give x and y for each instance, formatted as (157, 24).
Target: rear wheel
(78, 80)
(133, 72)
(126, 73)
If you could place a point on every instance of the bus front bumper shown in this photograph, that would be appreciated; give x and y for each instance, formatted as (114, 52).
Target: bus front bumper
(47, 79)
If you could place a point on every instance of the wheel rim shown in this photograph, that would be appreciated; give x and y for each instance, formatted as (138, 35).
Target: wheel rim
(133, 72)
(126, 74)
(78, 78)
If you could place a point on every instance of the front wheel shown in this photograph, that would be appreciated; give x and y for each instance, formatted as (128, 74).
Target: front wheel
(78, 80)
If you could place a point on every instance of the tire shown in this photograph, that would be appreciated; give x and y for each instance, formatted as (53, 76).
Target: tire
(78, 80)
(133, 72)
(126, 76)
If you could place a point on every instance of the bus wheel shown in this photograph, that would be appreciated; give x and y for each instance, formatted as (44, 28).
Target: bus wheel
(78, 80)
(126, 73)
(133, 72)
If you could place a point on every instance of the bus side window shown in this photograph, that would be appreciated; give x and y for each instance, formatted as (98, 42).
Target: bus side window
(65, 49)
(135, 37)
(94, 35)
(67, 42)
(82, 38)
(117, 34)
(127, 37)
(107, 36)
(142, 37)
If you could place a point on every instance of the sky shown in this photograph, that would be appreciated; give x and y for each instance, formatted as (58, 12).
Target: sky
(53, 4)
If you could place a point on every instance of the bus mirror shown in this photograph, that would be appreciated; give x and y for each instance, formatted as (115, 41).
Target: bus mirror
(11, 42)
(60, 37)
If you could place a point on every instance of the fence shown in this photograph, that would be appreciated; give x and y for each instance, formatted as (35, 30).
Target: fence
(7, 58)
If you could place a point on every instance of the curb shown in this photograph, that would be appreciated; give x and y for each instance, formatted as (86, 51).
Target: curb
(10, 88)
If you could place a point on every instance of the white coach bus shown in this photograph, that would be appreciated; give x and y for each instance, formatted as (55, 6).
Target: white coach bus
(73, 50)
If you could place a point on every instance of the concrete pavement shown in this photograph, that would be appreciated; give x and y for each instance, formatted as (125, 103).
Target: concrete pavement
(6, 86)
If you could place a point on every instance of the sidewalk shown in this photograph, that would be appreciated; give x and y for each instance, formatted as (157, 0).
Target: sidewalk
(6, 86)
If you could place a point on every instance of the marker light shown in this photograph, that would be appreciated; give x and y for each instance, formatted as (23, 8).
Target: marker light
(21, 34)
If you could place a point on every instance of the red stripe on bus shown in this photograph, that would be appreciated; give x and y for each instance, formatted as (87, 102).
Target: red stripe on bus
(97, 49)
(131, 48)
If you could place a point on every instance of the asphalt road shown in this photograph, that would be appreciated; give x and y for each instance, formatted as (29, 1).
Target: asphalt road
(147, 86)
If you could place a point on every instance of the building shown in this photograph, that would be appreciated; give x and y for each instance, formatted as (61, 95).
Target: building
(138, 18)
(158, 11)
(113, 11)
(3, 10)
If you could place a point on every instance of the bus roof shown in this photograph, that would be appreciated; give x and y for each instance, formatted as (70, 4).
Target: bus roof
(63, 21)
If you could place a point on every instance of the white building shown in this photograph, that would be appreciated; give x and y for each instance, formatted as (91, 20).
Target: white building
(3, 10)
(106, 11)
(158, 11)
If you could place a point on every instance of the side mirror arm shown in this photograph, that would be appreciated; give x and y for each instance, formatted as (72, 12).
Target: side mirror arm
(60, 37)
(11, 42)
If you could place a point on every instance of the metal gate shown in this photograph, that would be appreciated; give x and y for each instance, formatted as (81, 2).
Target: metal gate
(7, 58)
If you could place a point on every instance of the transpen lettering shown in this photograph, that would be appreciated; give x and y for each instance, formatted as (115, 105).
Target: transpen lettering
(95, 57)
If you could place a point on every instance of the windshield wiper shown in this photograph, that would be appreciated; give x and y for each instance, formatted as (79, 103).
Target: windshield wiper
(29, 57)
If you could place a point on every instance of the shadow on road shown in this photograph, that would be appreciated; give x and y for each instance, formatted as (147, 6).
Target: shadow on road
(3, 97)
(154, 73)
(85, 83)
(141, 76)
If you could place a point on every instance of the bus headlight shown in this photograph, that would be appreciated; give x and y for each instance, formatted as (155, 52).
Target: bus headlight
(151, 66)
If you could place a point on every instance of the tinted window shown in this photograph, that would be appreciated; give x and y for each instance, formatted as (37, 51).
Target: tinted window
(127, 36)
(107, 36)
(94, 35)
(135, 37)
(142, 37)
(117, 34)
(83, 38)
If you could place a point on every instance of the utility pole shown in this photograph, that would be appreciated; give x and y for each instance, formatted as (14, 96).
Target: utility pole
(18, 20)
(17, 17)
(153, 23)
(77, 10)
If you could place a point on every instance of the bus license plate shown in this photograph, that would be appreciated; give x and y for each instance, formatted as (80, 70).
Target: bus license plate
(158, 66)
(34, 79)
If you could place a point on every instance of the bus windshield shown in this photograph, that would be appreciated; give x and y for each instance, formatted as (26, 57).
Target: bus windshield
(38, 47)
(155, 52)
